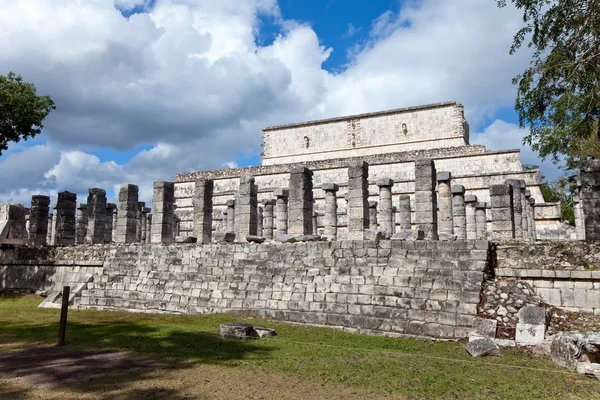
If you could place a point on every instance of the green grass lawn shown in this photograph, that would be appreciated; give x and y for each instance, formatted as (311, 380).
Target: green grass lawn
(403, 367)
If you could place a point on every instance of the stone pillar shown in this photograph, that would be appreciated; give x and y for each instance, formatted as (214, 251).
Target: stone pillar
(300, 203)
(579, 231)
(386, 215)
(203, 210)
(82, 223)
(231, 216)
(128, 203)
(404, 213)
(149, 230)
(503, 223)
(315, 224)
(111, 209)
(425, 199)
(138, 221)
(96, 210)
(115, 217)
(524, 214)
(517, 208)
(532, 233)
(268, 218)
(245, 208)
(65, 219)
(480, 221)
(281, 211)
(471, 225)
(444, 198)
(358, 200)
(145, 224)
(259, 221)
(51, 225)
(38, 220)
(163, 206)
(459, 218)
(330, 217)
(589, 198)
(372, 215)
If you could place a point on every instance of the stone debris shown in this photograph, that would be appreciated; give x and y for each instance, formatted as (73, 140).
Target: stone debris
(224, 237)
(237, 330)
(578, 352)
(255, 239)
(482, 347)
(286, 238)
(531, 328)
(265, 332)
(483, 328)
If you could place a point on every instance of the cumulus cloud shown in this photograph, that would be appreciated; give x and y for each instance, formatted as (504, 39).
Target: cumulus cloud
(188, 78)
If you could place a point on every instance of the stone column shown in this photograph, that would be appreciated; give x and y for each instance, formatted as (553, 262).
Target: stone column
(268, 218)
(524, 215)
(386, 215)
(149, 230)
(459, 218)
(481, 221)
(115, 217)
(38, 220)
(203, 210)
(300, 203)
(82, 223)
(259, 221)
(281, 211)
(96, 210)
(579, 231)
(138, 221)
(404, 213)
(532, 233)
(111, 209)
(245, 208)
(51, 225)
(315, 223)
(589, 198)
(145, 225)
(373, 215)
(231, 216)
(65, 219)
(471, 225)
(517, 208)
(445, 223)
(425, 199)
(330, 217)
(163, 206)
(128, 203)
(358, 200)
(503, 223)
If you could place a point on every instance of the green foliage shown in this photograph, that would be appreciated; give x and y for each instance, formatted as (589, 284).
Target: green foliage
(21, 110)
(558, 96)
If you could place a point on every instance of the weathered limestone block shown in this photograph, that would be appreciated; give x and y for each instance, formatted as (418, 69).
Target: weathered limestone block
(589, 197)
(386, 214)
(82, 223)
(471, 225)
(111, 210)
(373, 215)
(426, 218)
(281, 210)
(444, 199)
(481, 221)
(163, 208)
(578, 352)
(268, 211)
(358, 203)
(483, 328)
(65, 226)
(13, 225)
(330, 218)
(531, 328)
(404, 216)
(231, 216)
(503, 224)
(38, 220)
(203, 210)
(517, 208)
(300, 202)
(126, 228)
(459, 218)
(481, 347)
(235, 330)
(96, 210)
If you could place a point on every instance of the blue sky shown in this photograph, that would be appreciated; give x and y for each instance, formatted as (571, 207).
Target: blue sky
(146, 89)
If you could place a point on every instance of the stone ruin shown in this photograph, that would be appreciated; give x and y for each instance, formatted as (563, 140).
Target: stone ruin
(398, 235)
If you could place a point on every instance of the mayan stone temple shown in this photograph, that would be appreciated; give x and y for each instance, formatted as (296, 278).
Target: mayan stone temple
(384, 223)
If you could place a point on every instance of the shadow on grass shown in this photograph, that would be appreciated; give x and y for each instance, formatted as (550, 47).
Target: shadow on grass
(109, 367)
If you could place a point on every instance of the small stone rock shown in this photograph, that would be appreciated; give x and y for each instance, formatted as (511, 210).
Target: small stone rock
(265, 332)
(255, 239)
(481, 347)
(237, 330)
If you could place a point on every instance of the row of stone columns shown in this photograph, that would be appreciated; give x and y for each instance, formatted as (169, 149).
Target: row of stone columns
(512, 212)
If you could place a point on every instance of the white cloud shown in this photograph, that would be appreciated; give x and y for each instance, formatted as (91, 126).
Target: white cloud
(188, 78)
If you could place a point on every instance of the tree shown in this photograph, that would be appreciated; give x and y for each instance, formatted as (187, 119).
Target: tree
(558, 96)
(21, 110)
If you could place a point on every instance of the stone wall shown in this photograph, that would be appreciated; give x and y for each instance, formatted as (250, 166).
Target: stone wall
(420, 288)
(563, 274)
(423, 127)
